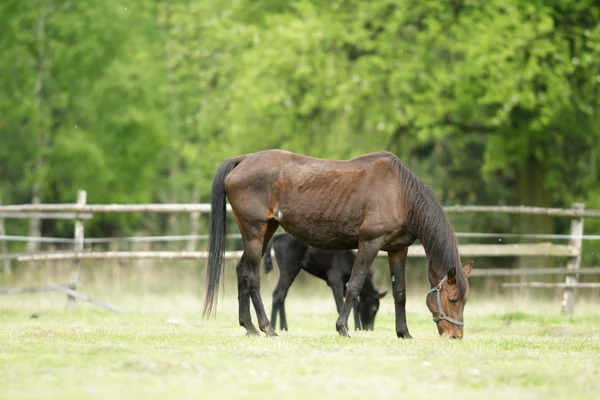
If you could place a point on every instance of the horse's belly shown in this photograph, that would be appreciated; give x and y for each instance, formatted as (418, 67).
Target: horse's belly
(322, 234)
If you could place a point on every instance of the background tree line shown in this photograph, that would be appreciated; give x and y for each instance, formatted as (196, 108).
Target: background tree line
(492, 102)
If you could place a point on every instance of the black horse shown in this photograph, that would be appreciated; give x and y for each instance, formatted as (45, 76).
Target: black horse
(334, 267)
(371, 203)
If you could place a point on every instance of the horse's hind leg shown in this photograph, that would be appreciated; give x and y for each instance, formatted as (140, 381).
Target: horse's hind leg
(244, 299)
(254, 248)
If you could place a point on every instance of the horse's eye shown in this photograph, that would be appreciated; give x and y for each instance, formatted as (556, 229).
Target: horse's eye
(453, 301)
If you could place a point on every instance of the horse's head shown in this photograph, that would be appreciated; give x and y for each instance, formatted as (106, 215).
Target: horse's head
(447, 300)
(367, 308)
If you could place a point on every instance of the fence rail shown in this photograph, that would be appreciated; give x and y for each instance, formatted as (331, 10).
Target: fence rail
(205, 208)
(556, 212)
(44, 215)
(488, 250)
(543, 285)
(178, 238)
(489, 272)
(81, 211)
(110, 208)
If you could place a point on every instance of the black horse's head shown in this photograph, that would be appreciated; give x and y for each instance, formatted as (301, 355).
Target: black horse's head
(368, 306)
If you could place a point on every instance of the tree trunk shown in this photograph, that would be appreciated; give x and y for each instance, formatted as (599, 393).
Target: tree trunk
(35, 226)
(532, 192)
(174, 112)
(3, 247)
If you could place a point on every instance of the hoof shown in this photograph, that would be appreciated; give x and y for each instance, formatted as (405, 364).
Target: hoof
(268, 330)
(252, 333)
(272, 334)
(404, 335)
(343, 330)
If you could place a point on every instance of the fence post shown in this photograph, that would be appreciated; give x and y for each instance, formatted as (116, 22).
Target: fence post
(574, 262)
(35, 227)
(3, 247)
(81, 201)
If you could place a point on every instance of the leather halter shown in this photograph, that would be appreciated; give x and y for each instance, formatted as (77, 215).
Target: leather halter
(443, 316)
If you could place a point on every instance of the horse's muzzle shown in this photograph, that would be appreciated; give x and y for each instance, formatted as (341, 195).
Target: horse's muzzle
(368, 327)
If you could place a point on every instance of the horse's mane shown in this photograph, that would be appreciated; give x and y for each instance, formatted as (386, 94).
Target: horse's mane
(427, 219)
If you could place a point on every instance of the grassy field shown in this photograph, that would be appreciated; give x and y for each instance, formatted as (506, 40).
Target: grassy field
(161, 348)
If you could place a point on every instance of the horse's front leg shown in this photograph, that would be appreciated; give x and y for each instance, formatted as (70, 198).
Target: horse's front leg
(397, 261)
(355, 312)
(367, 251)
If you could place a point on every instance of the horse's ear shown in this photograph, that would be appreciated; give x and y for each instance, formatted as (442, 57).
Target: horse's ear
(467, 268)
(381, 295)
(452, 275)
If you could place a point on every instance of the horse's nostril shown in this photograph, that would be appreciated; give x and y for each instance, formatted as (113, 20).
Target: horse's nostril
(454, 337)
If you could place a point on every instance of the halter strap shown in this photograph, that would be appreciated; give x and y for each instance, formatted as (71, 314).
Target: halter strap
(443, 316)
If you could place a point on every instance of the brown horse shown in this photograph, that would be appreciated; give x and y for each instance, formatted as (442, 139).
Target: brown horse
(370, 203)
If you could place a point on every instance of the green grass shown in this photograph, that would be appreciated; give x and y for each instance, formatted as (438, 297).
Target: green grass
(164, 349)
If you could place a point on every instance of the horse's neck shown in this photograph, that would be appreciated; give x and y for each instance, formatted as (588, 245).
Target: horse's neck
(434, 275)
(437, 251)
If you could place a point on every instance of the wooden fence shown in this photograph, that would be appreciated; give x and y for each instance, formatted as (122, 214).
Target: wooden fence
(80, 211)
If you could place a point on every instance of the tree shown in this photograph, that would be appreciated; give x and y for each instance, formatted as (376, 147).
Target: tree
(64, 60)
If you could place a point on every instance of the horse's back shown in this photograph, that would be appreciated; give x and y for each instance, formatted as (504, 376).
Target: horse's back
(322, 202)
(285, 157)
(326, 203)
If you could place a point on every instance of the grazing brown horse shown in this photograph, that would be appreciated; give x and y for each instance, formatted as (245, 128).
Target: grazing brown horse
(370, 203)
(333, 266)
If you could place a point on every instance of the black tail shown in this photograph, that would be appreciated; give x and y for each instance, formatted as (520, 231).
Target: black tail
(216, 241)
(267, 258)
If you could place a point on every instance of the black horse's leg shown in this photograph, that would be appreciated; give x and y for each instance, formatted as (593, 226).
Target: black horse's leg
(356, 313)
(367, 251)
(336, 284)
(284, 325)
(397, 261)
(274, 310)
(245, 318)
(287, 274)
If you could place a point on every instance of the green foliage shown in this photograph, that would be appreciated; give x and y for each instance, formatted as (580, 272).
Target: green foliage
(141, 102)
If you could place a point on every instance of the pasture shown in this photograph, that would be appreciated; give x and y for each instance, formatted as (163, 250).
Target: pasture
(514, 346)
